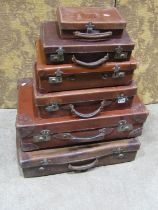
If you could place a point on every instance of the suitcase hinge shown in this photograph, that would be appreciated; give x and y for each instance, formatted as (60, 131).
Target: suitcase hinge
(124, 126)
(43, 136)
(52, 108)
(119, 54)
(58, 57)
(90, 27)
(119, 153)
(57, 78)
(122, 99)
(117, 73)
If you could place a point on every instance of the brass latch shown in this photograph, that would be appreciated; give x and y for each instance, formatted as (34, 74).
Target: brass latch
(124, 126)
(57, 78)
(117, 73)
(52, 108)
(119, 153)
(119, 54)
(122, 99)
(43, 136)
(58, 57)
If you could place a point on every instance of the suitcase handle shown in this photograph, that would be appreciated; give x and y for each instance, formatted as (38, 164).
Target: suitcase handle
(100, 136)
(92, 114)
(91, 64)
(96, 35)
(83, 167)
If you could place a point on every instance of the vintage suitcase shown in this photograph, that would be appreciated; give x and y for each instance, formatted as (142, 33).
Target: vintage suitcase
(83, 103)
(83, 53)
(90, 23)
(77, 158)
(52, 78)
(39, 133)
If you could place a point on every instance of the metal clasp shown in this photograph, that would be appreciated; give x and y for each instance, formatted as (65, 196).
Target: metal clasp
(58, 57)
(89, 27)
(52, 108)
(122, 99)
(119, 153)
(117, 73)
(124, 126)
(43, 136)
(119, 54)
(57, 78)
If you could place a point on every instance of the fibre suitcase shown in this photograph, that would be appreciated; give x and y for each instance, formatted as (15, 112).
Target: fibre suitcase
(83, 103)
(39, 133)
(90, 23)
(76, 159)
(52, 78)
(83, 53)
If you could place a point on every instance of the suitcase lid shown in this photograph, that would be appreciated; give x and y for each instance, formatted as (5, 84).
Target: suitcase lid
(44, 69)
(29, 123)
(75, 154)
(79, 96)
(78, 18)
(51, 42)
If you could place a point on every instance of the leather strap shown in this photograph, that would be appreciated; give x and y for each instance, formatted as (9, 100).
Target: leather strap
(91, 64)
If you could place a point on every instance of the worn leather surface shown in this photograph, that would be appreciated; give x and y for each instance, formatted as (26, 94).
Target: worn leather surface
(20, 22)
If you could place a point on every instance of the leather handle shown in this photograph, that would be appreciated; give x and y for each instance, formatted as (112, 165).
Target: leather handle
(92, 114)
(91, 64)
(83, 167)
(92, 35)
(100, 136)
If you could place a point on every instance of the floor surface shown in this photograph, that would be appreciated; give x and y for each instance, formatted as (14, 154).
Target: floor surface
(128, 186)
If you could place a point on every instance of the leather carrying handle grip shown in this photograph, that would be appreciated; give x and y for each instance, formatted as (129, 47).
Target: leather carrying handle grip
(83, 167)
(92, 114)
(100, 136)
(92, 35)
(91, 64)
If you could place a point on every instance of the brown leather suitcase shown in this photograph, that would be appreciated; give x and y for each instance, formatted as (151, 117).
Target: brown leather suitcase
(90, 23)
(76, 159)
(39, 133)
(52, 78)
(83, 53)
(83, 103)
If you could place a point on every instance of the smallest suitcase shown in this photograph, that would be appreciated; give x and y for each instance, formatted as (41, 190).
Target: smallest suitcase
(89, 23)
(77, 158)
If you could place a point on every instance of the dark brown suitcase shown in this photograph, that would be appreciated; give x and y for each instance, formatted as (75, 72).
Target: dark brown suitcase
(90, 23)
(39, 133)
(52, 78)
(83, 103)
(76, 159)
(83, 53)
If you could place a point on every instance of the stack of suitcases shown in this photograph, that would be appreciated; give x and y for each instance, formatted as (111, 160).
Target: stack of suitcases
(81, 109)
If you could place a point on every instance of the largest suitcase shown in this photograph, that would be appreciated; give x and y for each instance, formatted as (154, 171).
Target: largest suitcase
(87, 54)
(76, 159)
(37, 133)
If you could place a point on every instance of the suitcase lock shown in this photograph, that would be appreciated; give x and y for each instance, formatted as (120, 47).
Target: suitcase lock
(117, 73)
(119, 153)
(58, 57)
(57, 78)
(122, 99)
(119, 54)
(124, 126)
(43, 136)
